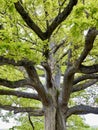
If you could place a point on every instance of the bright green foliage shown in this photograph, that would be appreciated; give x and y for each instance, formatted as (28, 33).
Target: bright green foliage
(10, 73)
(18, 41)
(43, 13)
(18, 51)
(76, 123)
(25, 125)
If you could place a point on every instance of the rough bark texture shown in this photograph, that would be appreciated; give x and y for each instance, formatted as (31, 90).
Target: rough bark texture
(54, 114)
(54, 119)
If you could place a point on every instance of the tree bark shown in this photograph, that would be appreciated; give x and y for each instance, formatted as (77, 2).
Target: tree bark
(54, 119)
(54, 113)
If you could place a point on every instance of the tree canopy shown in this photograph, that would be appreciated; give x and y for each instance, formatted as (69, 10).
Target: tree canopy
(49, 58)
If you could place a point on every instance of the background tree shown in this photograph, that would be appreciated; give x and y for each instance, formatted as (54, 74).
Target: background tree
(48, 51)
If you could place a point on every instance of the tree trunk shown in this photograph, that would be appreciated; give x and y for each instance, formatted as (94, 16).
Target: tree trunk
(54, 119)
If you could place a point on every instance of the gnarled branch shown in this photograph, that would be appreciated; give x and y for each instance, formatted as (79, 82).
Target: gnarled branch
(14, 84)
(83, 86)
(16, 110)
(34, 78)
(32, 73)
(61, 17)
(88, 69)
(19, 94)
(89, 40)
(67, 84)
(6, 61)
(48, 75)
(29, 21)
(81, 109)
(85, 77)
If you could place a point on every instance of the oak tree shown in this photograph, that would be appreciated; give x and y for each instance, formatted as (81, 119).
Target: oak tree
(50, 48)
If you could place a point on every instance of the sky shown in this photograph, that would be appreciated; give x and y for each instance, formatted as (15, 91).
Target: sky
(5, 125)
(91, 119)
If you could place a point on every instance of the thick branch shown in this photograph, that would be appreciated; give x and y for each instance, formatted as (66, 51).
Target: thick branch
(83, 86)
(89, 69)
(67, 84)
(16, 110)
(14, 84)
(89, 40)
(5, 61)
(37, 83)
(19, 94)
(29, 21)
(85, 77)
(48, 75)
(82, 109)
(61, 17)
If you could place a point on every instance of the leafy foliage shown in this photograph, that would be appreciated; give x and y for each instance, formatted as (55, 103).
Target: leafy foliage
(18, 41)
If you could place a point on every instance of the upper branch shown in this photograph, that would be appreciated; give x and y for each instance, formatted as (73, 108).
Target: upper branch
(81, 109)
(28, 20)
(19, 94)
(89, 40)
(61, 17)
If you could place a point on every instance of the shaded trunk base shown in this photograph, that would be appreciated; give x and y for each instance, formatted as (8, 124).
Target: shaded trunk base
(54, 119)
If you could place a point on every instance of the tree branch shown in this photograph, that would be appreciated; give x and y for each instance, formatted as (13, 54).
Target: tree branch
(6, 61)
(81, 109)
(68, 80)
(14, 84)
(29, 21)
(30, 121)
(58, 46)
(67, 84)
(39, 112)
(48, 75)
(61, 17)
(85, 77)
(19, 94)
(32, 73)
(83, 86)
(16, 110)
(34, 78)
(62, 56)
(89, 40)
(88, 69)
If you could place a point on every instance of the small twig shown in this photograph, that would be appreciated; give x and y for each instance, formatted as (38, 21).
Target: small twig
(31, 123)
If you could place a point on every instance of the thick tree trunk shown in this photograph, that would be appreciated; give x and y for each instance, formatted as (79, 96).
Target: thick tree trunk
(54, 119)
